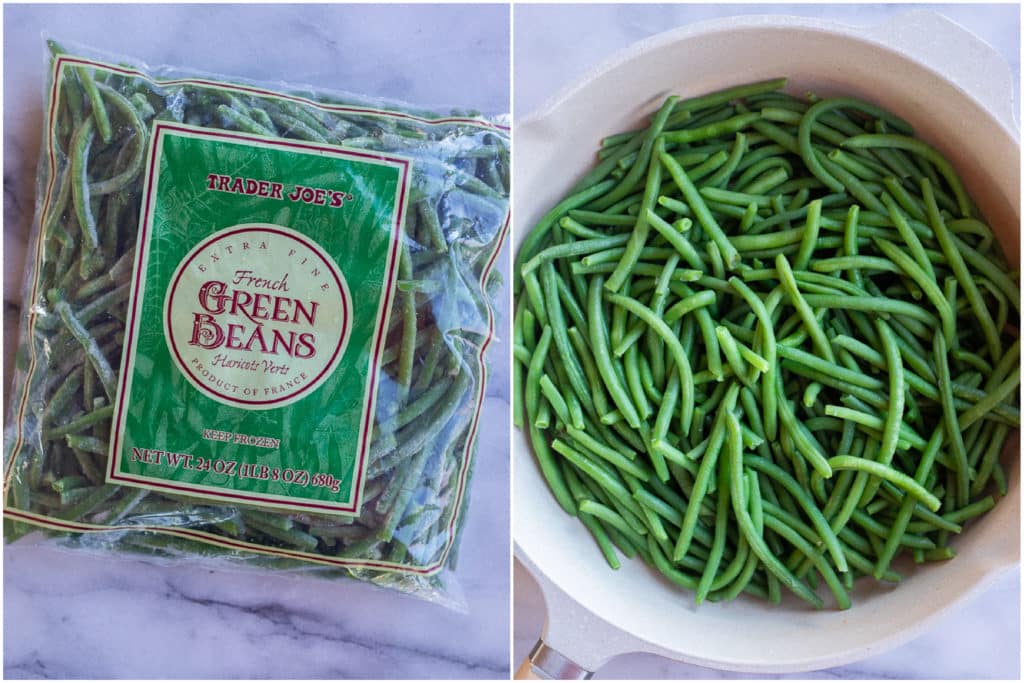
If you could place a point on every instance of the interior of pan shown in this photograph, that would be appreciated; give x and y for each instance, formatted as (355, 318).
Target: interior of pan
(555, 148)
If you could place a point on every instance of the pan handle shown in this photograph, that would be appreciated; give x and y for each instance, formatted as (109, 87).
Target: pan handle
(962, 57)
(546, 663)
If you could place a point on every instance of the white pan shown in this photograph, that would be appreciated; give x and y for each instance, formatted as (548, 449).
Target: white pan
(958, 94)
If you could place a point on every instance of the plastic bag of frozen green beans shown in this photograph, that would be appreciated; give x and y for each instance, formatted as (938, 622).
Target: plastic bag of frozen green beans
(255, 326)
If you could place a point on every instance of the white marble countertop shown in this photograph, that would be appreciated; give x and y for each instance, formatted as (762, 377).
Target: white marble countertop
(979, 640)
(74, 615)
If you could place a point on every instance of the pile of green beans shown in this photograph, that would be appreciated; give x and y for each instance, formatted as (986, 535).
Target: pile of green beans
(768, 341)
(430, 378)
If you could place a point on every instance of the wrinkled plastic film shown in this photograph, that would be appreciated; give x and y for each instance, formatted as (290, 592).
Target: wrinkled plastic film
(432, 373)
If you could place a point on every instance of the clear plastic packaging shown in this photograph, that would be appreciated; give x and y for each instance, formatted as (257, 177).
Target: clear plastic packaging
(425, 367)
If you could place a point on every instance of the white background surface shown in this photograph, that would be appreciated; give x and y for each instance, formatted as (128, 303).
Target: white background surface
(555, 46)
(69, 615)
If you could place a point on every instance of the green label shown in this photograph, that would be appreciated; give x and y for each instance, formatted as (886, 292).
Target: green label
(265, 270)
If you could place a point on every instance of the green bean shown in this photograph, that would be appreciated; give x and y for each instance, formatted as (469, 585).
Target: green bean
(728, 95)
(954, 433)
(611, 455)
(92, 349)
(803, 307)
(718, 546)
(923, 150)
(769, 180)
(571, 249)
(81, 142)
(603, 539)
(409, 325)
(842, 598)
(700, 209)
(540, 232)
(608, 482)
(602, 358)
(807, 123)
(732, 125)
(560, 336)
(897, 396)
(640, 230)
(93, 498)
(746, 525)
(626, 185)
(721, 177)
(907, 437)
(89, 444)
(877, 529)
(672, 342)
(138, 128)
(98, 111)
(812, 367)
(1005, 389)
(806, 503)
(701, 483)
(869, 303)
(840, 462)
(810, 235)
(989, 459)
